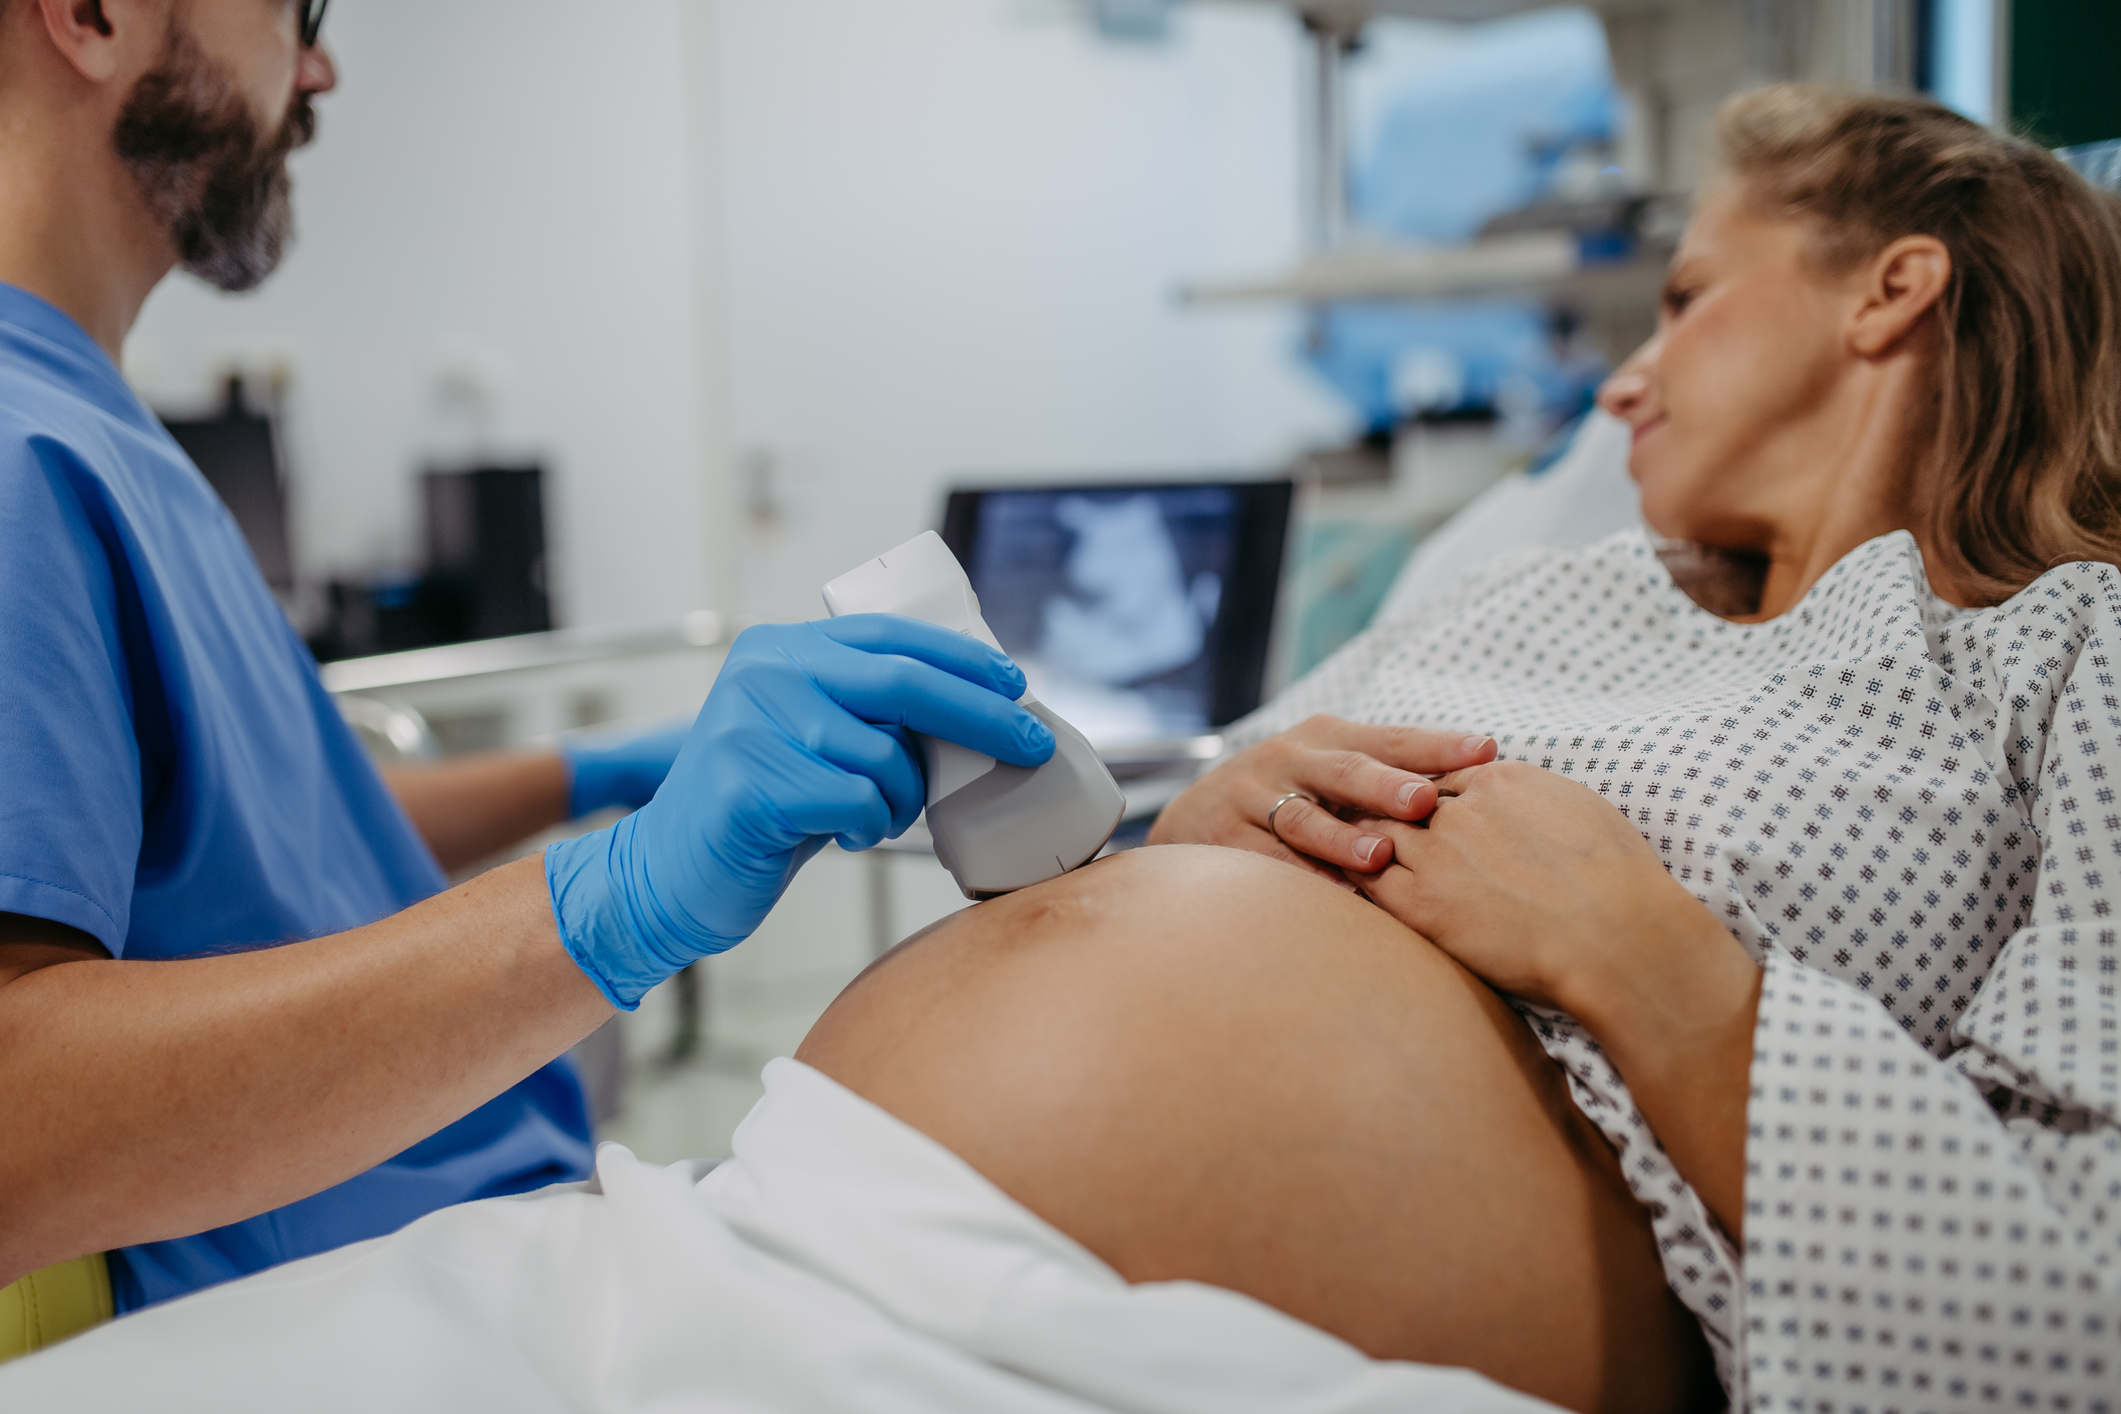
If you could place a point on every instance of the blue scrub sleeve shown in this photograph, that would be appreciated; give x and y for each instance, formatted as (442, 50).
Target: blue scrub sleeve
(70, 811)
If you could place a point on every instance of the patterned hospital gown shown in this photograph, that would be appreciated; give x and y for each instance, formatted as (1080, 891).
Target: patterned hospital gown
(1907, 812)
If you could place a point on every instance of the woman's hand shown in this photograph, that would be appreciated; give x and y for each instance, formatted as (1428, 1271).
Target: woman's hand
(1532, 881)
(1544, 890)
(1334, 765)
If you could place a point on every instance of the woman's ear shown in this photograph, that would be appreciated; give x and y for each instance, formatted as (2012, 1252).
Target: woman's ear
(1899, 285)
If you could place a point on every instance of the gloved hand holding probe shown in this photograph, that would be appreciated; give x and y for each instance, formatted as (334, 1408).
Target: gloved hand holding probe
(803, 739)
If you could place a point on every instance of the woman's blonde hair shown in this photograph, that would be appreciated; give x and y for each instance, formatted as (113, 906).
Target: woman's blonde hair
(2025, 468)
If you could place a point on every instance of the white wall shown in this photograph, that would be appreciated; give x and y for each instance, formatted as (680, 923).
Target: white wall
(953, 230)
(898, 240)
(504, 181)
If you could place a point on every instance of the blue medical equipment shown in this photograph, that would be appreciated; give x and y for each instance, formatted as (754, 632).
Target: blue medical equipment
(1487, 127)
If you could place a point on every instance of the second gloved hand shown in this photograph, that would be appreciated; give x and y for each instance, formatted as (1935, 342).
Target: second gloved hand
(626, 773)
(803, 739)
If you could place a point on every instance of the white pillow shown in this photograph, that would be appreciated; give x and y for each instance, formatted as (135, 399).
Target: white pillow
(1583, 497)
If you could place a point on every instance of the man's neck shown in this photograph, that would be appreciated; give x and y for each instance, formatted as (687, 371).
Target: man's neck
(73, 229)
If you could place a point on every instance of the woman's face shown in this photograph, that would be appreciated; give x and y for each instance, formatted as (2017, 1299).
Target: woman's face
(1733, 399)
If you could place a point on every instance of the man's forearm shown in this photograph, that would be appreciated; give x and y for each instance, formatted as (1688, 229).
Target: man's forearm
(147, 1100)
(473, 807)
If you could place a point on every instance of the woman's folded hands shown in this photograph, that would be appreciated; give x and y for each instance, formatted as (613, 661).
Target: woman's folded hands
(1537, 884)
(1315, 772)
(1544, 890)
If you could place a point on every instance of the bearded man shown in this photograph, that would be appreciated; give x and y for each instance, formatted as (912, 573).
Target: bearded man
(241, 1022)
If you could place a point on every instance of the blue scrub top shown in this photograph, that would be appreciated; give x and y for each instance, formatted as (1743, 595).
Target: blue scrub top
(178, 782)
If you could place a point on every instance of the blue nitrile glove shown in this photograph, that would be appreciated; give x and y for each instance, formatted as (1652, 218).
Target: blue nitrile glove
(803, 739)
(624, 773)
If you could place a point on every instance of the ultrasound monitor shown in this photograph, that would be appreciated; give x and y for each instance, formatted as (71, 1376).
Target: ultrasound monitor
(1140, 612)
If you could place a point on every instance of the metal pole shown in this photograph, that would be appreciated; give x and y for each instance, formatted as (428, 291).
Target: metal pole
(1333, 38)
(881, 929)
(1892, 45)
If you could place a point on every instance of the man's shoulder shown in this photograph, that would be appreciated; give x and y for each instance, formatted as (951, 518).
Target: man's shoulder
(38, 411)
(50, 453)
(53, 430)
(55, 386)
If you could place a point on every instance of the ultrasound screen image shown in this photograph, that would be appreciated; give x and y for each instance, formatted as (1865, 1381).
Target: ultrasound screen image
(1109, 599)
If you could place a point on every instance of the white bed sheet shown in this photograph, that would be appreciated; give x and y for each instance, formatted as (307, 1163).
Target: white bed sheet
(841, 1260)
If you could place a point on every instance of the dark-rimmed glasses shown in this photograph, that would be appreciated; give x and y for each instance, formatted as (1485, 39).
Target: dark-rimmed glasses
(312, 21)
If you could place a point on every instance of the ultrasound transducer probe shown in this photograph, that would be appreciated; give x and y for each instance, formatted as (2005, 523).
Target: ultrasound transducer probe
(997, 828)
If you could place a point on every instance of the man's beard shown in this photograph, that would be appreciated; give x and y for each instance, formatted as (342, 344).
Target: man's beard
(195, 152)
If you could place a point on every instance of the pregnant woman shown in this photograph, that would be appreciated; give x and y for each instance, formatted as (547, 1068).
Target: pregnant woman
(1806, 895)
(1738, 1001)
